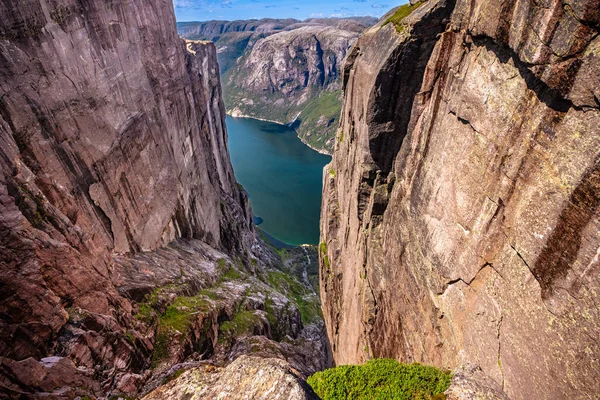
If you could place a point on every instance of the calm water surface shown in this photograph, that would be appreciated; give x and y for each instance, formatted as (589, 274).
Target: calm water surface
(282, 176)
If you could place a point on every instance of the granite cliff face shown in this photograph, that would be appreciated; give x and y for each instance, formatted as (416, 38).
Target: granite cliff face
(285, 71)
(118, 206)
(460, 216)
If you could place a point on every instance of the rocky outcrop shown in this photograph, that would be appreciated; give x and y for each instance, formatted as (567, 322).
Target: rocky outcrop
(116, 190)
(460, 211)
(470, 383)
(285, 71)
(245, 378)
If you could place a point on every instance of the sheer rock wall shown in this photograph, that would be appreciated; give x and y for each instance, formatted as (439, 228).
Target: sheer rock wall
(460, 215)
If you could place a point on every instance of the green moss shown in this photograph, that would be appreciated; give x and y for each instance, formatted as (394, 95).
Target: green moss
(231, 274)
(341, 137)
(307, 303)
(242, 323)
(147, 307)
(178, 318)
(130, 337)
(332, 172)
(401, 13)
(323, 248)
(270, 310)
(381, 379)
(211, 294)
(173, 376)
(36, 216)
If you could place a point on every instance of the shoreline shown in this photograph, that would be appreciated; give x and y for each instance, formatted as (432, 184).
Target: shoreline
(239, 115)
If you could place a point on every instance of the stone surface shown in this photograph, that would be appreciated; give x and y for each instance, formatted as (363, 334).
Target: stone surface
(460, 212)
(115, 182)
(246, 378)
(470, 383)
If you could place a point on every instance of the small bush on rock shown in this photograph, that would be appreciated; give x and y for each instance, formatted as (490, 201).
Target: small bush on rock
(381, 379)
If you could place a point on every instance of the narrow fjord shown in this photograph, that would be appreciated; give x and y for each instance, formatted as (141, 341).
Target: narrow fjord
(282, 176)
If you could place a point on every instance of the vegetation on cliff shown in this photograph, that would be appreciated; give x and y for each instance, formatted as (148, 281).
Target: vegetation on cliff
(319, 119)
(401, 13)
(381, 379)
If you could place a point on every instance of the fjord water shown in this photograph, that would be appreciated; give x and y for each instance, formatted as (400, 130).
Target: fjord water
(283, 178)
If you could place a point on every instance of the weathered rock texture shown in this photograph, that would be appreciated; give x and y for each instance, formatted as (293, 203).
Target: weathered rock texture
(112, 143)
(460, 216)
(285, 71)
(251, 378)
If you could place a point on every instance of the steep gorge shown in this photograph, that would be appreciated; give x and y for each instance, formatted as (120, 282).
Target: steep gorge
(460, 215)
(127, 245)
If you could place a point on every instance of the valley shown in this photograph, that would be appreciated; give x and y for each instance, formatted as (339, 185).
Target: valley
(166, 232)
(284, 71)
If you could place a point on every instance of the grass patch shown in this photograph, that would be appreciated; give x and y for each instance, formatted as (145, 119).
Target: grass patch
(242, 323)
(228, 272)
(307, 302)
(231, 274)
(146, 312)
(178, 317)
(401, 13)
(323, 248)
(326, 107)
(381, 379)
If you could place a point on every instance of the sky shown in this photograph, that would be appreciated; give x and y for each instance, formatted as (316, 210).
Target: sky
(204, 10)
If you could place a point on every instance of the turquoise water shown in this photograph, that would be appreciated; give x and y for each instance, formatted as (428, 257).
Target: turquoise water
(282, 176)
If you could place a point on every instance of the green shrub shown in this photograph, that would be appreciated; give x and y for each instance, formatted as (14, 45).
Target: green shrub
(379, 380)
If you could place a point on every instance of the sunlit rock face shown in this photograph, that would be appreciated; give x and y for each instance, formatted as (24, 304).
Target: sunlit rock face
(460, 215)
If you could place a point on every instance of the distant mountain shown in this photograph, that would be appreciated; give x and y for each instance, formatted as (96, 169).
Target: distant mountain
(285, 71)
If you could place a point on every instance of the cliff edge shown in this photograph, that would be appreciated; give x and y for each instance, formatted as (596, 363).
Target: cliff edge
(460, 215)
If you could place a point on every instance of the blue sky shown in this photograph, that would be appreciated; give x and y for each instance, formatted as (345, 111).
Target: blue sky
(203, 10)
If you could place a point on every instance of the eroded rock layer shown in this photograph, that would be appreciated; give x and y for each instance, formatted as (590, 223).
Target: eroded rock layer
(460, 216)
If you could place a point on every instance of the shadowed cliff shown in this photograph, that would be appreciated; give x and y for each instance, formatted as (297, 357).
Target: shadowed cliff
(126, 244)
